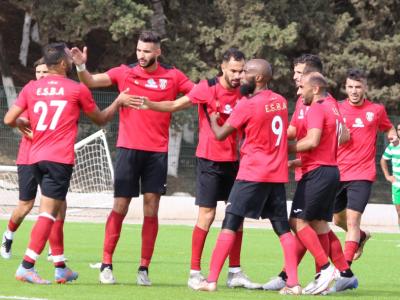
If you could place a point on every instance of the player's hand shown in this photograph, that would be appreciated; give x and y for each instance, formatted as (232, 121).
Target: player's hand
(24, 126)
(391, 179)
(79, 57)
(214, 117)
(295, 163)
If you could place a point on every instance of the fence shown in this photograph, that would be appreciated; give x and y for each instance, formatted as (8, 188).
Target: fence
(184, 182)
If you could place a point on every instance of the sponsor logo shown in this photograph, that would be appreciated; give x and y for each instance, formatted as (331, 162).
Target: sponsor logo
(163, 83)
(301, 114)
(151, 83)
(370, 116)
(358, 123)
(296, 211)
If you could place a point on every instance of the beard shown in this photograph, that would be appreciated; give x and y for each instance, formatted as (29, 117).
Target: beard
(149, 63)
(248, 88)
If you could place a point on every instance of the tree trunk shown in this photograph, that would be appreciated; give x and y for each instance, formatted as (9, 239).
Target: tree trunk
(35, 33)
(158, 18)
(26, 32)
(6, 76)
(174, 148)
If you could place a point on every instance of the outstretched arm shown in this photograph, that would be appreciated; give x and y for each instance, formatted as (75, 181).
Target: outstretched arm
(92, 81)
(140, 102)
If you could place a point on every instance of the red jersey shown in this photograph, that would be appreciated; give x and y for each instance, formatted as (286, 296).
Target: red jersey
(356, 158)
(264, 120)
(24, 146)
(147, 130)
(216, 98)
(298, 121)
(54, 103)
(324, 115)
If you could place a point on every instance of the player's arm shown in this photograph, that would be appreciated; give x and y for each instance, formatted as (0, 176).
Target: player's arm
(138, 102)
(385, 170)
(309, 142)
(90, 80)
(102, 117)
(295, 163)
(344, 136)
(291, 132)
(10, 119)
(220, 132)
(392, 136)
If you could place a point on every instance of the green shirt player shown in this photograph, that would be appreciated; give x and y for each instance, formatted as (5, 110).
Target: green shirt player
(392, 152)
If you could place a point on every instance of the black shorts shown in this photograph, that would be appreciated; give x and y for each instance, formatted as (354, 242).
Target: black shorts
(353, 195)
(315, 194)
(26, 183)
(258, 200)
(214, 181)
(134, 166)
(53, 178)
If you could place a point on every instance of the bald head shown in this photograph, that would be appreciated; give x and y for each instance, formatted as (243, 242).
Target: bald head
(260, 67)
(313, 86)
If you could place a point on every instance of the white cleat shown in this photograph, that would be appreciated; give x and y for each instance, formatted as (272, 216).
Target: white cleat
(342, 284)
(205, 286)
(106, 276)
(143, 278)
(240, 279)
(296, 290)
(194, 279)
(6, 247)
(324, 282)
(275, 284)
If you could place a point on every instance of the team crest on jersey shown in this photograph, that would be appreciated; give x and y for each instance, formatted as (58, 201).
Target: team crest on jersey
(163, 83)
(151, 83)
(358, 123)
(370, 116)
(227, 109)
(301, 114)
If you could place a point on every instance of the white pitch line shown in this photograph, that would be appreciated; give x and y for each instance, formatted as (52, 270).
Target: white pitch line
(21, 298)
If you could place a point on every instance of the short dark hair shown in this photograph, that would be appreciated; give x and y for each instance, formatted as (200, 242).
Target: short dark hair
(39, 62)
(149, 37)
(54, 53)
(316, 79)
(234, 53)
(311, 61)
(356, 74)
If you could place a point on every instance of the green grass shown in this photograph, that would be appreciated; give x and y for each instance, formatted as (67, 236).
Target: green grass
(377, 270)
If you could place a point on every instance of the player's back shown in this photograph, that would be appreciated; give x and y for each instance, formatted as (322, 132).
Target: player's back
(53, 105)
(264, 150)
(324, 115)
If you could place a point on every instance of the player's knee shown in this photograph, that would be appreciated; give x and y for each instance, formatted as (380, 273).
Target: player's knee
(232, 222)
(280, 227)
(26, 207)
(206, 216)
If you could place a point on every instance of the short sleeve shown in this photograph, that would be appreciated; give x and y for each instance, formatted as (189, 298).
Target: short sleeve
(86, 99)
(115, 74)
(384, 122)
(241, 114)
(387, 155)
(199, 94)
(184, 83)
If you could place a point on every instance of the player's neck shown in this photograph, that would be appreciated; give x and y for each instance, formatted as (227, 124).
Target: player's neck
(259, 89)
(359, 103)
(152, 68)
(56, 73)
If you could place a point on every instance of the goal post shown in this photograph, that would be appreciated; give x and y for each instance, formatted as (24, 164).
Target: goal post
(93, 170)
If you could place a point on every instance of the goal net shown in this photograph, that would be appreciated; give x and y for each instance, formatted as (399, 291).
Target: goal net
(93, 171)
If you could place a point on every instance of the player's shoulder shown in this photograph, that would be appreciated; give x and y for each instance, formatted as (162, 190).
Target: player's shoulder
(375, 105)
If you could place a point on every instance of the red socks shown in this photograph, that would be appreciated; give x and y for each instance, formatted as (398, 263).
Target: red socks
(336, 253)
(198, 239)
(234, 255)
(350, 248)
(112, 234)
(222, 248)
(56, 241)
(12, 226)
(288, 242)
(39, 235)
(149, 236)
(309, 239)
(324, 240)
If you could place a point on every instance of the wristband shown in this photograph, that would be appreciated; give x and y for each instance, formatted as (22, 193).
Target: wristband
(80, 68)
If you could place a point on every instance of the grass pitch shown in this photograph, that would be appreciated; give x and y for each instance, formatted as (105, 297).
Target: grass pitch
(377, 270)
